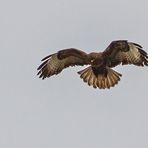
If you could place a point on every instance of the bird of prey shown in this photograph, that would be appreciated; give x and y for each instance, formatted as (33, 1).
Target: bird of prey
(99, 73)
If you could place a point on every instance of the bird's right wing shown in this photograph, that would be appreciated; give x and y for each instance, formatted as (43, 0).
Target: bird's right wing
(55, 63)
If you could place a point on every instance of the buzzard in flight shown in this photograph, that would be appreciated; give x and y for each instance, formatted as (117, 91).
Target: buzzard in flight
(99, 73)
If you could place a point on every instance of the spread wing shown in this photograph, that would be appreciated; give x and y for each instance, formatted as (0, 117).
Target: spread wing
(55, 63)
(126, 53)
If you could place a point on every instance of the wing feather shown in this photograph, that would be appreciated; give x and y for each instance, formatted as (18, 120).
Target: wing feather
(55, 63)
(136, 55)
(125, 52)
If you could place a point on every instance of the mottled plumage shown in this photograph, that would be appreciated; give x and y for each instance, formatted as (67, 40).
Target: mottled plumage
(100, 73)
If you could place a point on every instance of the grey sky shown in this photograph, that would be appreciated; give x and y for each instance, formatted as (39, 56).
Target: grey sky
(62, 111)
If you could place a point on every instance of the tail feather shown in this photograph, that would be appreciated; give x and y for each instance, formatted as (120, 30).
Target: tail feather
(101, 81)
(90, 79)
(85, 74)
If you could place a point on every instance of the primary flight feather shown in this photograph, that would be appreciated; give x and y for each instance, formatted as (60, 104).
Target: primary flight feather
(99, 74)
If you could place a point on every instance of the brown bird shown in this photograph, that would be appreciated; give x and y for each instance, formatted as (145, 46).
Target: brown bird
(100, 73)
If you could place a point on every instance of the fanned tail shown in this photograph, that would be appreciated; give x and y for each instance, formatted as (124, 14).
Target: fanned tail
(101, 81)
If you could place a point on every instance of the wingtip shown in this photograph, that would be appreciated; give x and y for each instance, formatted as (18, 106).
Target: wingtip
(47, 57)
(138, 45)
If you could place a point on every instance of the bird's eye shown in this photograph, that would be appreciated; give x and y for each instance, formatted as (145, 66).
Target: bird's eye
(91, 61)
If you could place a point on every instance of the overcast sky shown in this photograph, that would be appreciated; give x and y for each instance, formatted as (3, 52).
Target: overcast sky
(62, 111)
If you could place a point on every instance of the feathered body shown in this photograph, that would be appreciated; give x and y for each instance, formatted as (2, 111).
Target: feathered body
(99, 74)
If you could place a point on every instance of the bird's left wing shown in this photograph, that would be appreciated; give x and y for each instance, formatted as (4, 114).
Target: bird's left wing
(55, 63)
(126, 53)
(136, 55)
